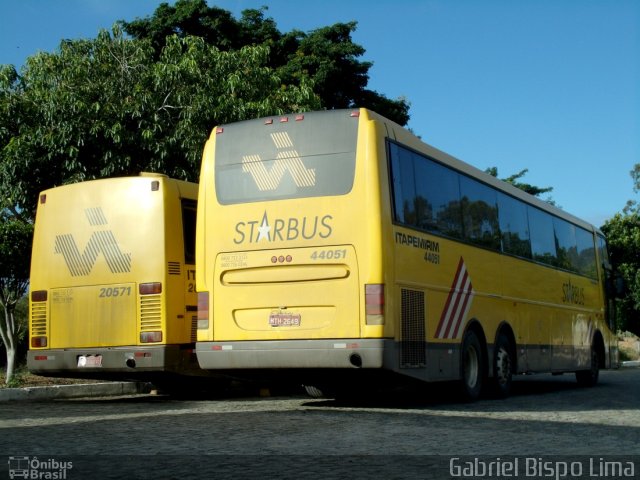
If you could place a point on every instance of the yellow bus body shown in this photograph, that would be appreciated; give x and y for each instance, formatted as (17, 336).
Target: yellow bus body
(113, 279)
(337, 281)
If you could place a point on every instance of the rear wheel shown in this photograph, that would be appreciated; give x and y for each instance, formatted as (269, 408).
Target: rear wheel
(589, 378)
(502, 367)
(471, 366)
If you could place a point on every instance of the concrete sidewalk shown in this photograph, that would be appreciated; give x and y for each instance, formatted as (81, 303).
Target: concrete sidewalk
(73, 391)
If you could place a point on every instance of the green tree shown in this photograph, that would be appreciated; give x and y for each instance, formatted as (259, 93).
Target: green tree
(326, 55)
(109, 107)
(15, 258)
(623, 238)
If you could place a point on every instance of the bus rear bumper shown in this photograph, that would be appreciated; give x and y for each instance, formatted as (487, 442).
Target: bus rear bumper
(342, 353)
(92, 362)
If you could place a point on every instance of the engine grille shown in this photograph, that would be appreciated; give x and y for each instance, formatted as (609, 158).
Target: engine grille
(413, 339)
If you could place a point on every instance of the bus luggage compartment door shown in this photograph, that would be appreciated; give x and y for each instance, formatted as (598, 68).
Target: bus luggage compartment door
(302, 293)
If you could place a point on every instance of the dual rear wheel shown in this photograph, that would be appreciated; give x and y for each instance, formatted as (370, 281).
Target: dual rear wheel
(473, 366)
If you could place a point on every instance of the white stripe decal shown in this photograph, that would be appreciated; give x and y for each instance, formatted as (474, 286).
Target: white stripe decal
(457, 305)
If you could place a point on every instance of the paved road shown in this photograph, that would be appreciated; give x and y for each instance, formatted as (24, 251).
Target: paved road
(297, 437)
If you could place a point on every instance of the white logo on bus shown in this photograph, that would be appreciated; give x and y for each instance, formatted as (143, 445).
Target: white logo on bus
(287, 159)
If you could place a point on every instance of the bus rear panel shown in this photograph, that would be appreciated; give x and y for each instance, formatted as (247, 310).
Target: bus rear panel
(113, 279)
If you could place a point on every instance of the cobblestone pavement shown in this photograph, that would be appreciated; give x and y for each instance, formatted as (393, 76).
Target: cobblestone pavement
(392, 437)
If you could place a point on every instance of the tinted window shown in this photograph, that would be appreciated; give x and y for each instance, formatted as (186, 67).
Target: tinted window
(543, 246)
(566, 246)
(189, 208)
(479, 213)
(403, 185)
(438, 198)
(257, 161)
(586, 253)
(514, 226)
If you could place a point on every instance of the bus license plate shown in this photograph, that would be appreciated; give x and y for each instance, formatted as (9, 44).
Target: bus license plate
(284, 319)
(88, 361)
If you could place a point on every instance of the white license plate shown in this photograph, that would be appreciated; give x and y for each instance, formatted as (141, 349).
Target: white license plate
(285, 319)
(89, 361)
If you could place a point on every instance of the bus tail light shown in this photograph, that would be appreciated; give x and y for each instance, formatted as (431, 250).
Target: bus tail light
(39, 296)
(38, 342)
(150, 337)
(374, 304)
(154, 288)
(203, 310)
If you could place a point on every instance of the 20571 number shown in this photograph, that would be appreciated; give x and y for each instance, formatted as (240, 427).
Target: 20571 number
(109, 292)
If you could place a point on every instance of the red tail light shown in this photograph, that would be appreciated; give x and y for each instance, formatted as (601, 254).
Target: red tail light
(38, 342)
(203, 310)
(39, 296)
(150, 288)
(374, 304)
(150, 337)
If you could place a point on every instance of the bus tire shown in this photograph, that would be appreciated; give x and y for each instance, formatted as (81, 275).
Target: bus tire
(589, 378)
(471, 366)
(502, 367)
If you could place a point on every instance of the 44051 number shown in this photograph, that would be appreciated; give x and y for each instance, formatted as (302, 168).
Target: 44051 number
(329, 254)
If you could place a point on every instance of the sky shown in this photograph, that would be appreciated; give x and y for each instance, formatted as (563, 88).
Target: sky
(552, 86)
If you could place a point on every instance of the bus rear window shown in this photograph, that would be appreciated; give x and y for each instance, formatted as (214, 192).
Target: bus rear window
(310, 155)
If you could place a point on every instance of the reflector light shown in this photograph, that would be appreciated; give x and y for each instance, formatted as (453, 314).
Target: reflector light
(355, 114)
(38, 342)
(281, 259)
(203, 310)
(43, 198)
(219, 130)
(299, 118)
(374, 299)
(142, 354)
(40, 357)
(150, 288)
(284, 119)
(39, 296)
(150, 337)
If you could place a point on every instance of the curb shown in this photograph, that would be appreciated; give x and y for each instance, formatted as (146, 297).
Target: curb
(631, 363)
(73, 391)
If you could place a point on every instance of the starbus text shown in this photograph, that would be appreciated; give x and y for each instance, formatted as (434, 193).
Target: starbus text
(283, 229)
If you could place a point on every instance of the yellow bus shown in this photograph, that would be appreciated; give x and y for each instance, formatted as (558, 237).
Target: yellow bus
(338, 247)
(112, 291)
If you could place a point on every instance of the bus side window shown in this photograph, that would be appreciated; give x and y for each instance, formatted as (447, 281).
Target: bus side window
(189, 209)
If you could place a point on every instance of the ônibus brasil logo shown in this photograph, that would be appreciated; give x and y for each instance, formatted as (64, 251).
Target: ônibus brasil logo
(101, 241)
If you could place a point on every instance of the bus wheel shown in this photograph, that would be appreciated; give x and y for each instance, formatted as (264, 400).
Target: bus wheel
(471, 366)
(502, 367)
(589, 378)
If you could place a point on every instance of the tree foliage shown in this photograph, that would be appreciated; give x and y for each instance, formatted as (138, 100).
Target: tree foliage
(326, 56)
(623, 238)
(109, 107)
